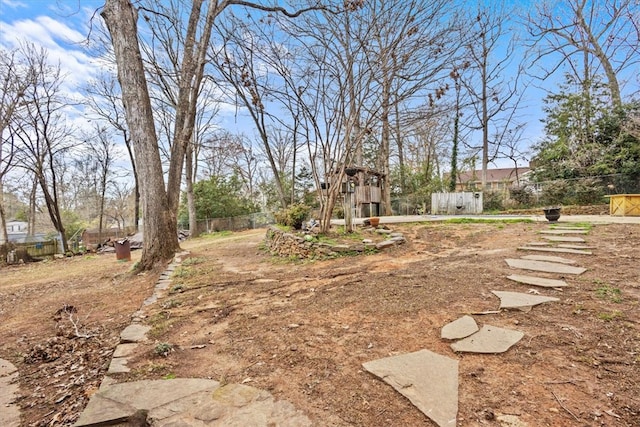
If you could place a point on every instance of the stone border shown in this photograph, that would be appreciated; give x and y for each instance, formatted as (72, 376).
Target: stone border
(289, 245)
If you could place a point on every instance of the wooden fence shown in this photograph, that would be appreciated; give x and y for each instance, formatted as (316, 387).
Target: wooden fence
(466, 203)
(16, 252)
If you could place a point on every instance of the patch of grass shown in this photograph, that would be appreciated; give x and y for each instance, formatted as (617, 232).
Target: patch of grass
(176, 289)
(216, 234)
(160, 322)
(169, 376)
(171, 304)
(610, 293)
(163, 349)
(488, 221)
(586, 225)
(183, 272)
(608, 317)
(193, 261)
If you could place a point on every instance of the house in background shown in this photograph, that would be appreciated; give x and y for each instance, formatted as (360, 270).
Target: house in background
(17, 231)
(497, 179)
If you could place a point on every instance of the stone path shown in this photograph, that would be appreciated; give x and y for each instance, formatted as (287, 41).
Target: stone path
(177, 402)
(426, 378)
(9, 410)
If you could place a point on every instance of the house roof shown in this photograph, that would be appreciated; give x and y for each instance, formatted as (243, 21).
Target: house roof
(493, 175)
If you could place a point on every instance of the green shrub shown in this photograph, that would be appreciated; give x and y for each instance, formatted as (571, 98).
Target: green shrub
(293, 216)
(493, 201)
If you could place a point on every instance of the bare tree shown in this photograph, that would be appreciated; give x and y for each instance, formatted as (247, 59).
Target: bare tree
(160, 204)
(102, 152)
(410, 46)
(494, 97)
(105, 102)
(15, 79)
(605, 31)
(44, 136)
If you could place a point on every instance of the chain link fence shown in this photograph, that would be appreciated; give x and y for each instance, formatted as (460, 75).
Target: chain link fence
(575, 191)
(237, 223)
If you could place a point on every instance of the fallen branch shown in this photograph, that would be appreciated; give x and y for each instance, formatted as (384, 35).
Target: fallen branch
(564, 407)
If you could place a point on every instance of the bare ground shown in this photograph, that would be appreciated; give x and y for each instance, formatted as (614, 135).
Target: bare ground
(303, 330)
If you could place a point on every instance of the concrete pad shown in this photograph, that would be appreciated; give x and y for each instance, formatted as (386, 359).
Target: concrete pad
(427, 379)
(549, 259)
(564, 231)
(557, 250)
(564, 239)
(461, 328)
(490, 339)
(538, 281)
(548, 267)
(134, 333)
(10, 411)
(521, 300)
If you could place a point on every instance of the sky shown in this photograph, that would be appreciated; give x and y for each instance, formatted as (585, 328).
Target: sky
(61, 26)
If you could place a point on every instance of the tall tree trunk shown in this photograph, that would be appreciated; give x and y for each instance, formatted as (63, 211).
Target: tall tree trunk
(385, 148)
(160, 226)
(191, 200)
(3, 220)
(31, 220)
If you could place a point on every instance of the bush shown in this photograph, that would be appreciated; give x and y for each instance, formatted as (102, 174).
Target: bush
(588, 191)
(492, 201)
(523, 196)
(293, 216)
(555, 193)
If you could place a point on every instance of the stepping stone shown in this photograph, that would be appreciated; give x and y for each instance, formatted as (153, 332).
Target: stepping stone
(557, 250)
(10, 411)
(549, 259)
(548, 267)
(124, 350)
(134, 333)
(564, 239)
(538, 281)
(576, 247)
(461, 328)
(490, 339)
(568, 227)
(564, 232)
(538, 244)
(427, 379)
(118, 365)
(521, 300)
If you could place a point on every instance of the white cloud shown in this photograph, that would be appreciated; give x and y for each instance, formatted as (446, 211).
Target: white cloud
(13, 4)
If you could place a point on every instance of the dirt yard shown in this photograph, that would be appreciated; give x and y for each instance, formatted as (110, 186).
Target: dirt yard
(303, 330)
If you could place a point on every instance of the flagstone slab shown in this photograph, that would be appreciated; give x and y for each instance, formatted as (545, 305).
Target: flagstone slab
(548, 267)
(490, 339)
(538, 281)
(538, 244)
(429, 380)
(557, 250)
(564, 231)
(581, 247)
(10, 412)
(134, 333)
(460, 328)
(549, 258)
(521, 300)
(564, 239)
